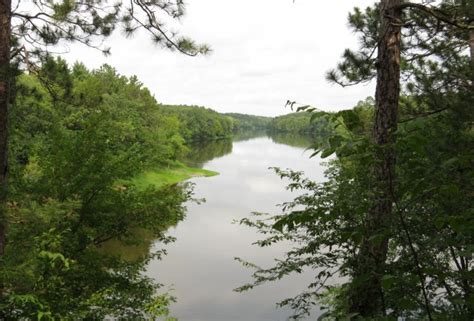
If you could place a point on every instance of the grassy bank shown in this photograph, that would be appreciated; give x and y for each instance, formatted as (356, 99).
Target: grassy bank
(168, 176)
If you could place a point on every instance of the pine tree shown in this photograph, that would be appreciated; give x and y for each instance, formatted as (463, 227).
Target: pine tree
(382, 31)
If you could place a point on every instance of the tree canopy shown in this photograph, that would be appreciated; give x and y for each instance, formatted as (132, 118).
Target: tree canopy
(77, 142)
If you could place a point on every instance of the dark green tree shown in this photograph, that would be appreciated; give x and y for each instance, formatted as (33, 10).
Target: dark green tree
(29, 30)
(405, 33)
(200, 123)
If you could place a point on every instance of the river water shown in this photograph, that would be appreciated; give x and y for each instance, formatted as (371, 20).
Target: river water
(200, 269)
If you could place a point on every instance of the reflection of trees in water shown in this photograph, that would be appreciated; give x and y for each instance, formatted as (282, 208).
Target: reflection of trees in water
(133, 248)
(202, 152)
(242, 136)
(136, 244)
(296, 140)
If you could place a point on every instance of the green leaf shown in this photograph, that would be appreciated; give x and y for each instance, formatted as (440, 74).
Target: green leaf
(388, 281)
(327, 152)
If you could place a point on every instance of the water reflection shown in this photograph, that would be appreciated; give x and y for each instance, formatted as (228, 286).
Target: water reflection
(295, 140)
(202, 152)
(200, 266)
(136, 246)
(248, 135)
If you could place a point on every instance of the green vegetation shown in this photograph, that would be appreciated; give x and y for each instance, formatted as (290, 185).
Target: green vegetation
(199, 123)
(169, 176)
(247, 123)
(300, 123)
(73, 134)
(291, 123)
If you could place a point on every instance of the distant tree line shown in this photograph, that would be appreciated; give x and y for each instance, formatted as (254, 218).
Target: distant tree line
(244, 122)
(200, 123)
(300, 123)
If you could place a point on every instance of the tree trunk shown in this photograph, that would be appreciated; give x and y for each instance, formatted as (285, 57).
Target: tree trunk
(5, 46)
(366, 297)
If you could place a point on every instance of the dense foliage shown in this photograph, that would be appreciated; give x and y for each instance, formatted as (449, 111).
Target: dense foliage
(299, 123)
(77, 138)
(245, 123)
(200, 123)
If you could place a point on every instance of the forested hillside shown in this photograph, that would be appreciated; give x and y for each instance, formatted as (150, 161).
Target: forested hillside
(300, 123)
(199, 123)
(243, 122)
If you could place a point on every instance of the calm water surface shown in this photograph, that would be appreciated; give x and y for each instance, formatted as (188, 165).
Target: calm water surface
(200, 269)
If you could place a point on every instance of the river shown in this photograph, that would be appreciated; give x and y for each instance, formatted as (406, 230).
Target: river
(200, 269)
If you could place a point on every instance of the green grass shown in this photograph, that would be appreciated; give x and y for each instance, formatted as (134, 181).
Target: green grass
(168, 176)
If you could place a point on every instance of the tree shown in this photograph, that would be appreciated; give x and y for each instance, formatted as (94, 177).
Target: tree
(384, 31)
(366, 299)
(5, 47)
(29, 30)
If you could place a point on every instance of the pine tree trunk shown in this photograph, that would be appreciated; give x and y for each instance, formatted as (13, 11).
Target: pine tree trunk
(5, 46)
(366, 297)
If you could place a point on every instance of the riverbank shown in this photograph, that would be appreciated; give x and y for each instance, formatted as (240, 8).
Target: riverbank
(174, 174)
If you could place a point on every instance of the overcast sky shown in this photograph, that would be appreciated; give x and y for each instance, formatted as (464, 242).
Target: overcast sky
(264, 52)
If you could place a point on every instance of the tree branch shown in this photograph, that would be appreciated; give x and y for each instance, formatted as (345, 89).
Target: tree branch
(436, 13)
